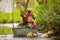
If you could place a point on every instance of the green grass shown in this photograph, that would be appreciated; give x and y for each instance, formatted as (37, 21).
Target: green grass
(5, 30)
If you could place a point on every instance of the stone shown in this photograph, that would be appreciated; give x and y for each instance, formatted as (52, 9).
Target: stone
(23, 31)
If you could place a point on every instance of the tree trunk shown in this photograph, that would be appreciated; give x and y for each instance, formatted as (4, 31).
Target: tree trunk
(42, 1)
(45, 1)
(27, 4)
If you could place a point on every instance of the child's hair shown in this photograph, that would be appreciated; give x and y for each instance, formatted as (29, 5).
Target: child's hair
(29, 11)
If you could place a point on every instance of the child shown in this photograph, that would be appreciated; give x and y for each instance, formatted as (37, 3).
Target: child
(30, 18)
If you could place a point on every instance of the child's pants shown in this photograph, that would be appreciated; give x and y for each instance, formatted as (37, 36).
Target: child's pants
(31, 24)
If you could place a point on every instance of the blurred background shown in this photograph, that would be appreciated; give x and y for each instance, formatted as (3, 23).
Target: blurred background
(47, 12)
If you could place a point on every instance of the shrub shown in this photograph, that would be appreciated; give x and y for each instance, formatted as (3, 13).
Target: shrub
(7, 17)
(48, 14)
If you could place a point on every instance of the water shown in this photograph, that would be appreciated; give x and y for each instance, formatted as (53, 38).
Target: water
(9, 25)
(11, 37)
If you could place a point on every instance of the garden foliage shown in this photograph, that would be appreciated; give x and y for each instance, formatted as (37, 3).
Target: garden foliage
(48, 14)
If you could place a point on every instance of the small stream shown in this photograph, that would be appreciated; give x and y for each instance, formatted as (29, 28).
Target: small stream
(11, 37)
(9, 25)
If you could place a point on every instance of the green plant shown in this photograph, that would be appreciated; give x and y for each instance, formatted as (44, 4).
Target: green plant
(5, 30)
(7, 17)
(48, 14)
